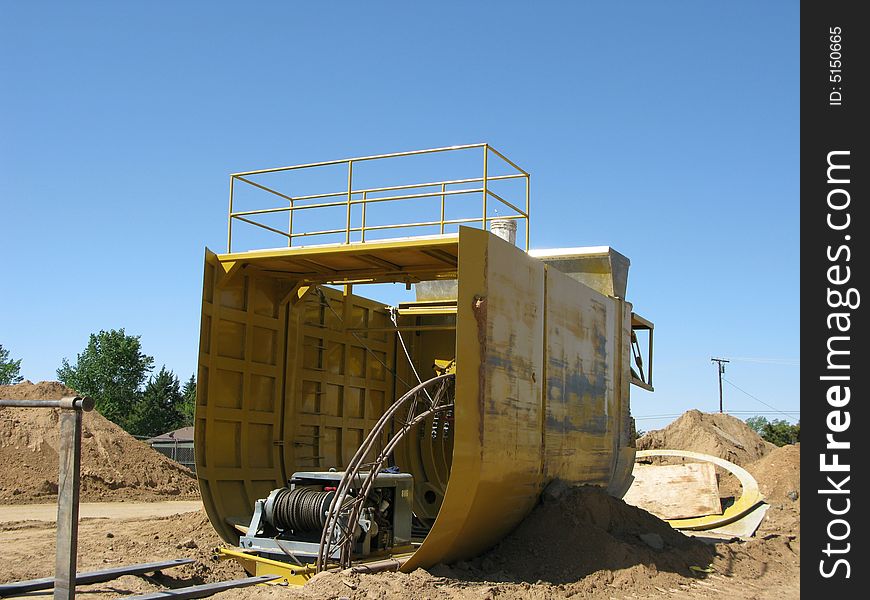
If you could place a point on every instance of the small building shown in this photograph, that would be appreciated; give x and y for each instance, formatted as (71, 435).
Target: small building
(177, 445)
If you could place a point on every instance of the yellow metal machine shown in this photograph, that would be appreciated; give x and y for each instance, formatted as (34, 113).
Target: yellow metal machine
(297, 365)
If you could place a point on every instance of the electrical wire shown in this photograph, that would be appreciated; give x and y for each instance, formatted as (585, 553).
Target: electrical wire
(393, 310)
(791, 362)
(755, 398)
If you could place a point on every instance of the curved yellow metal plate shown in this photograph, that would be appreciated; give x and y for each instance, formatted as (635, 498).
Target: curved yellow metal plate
(749, 498)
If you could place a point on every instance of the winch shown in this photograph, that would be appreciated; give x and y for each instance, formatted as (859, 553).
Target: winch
(290, 521)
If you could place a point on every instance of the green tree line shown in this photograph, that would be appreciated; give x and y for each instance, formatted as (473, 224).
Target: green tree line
(113, 370)
(778, 431)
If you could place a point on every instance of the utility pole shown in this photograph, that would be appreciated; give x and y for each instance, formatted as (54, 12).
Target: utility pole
(721, 362)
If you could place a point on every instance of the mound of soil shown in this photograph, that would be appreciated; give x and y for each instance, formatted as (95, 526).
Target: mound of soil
(710, 433)
(582, 543)
(779, 474)
(115, 465)
(576, 532)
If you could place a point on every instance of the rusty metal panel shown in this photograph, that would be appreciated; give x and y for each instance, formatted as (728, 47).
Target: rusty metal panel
(582, 394)
(588, 424)
(496, 475)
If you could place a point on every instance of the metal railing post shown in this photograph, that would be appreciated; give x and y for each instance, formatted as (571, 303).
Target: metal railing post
(349, 198)
(69, 459)
(230, 220)
(443, 189)
(485, 190)
(528, 214)
(363, 226)
(290, 226)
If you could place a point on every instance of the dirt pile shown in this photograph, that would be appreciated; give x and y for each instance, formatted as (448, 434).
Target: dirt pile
(710, 433)
(779, 474)
(583, 533)
(115, 466)
(577, 541)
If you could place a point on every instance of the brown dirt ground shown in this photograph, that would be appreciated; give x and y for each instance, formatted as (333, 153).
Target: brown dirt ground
(710, 433)
(115, 465)
(582, 545)
(578, 542)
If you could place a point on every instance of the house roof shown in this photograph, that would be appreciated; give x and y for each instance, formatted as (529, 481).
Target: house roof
(185, 434)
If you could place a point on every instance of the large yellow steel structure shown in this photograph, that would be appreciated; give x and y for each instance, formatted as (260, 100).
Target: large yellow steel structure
(293, 375)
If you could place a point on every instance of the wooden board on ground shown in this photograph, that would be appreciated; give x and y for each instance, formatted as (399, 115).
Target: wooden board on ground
(675, 491)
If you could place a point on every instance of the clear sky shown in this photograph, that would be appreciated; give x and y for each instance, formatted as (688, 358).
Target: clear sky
(668, 130)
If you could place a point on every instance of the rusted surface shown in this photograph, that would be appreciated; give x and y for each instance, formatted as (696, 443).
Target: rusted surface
(478, 307)
(585, 411)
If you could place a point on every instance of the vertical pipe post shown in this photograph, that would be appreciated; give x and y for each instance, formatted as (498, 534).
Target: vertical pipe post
(528, 215)
(230, 218)
(485, 190)
(290, 226)
(70, 458)
(349, 196)
(363, 227)
(443, 189)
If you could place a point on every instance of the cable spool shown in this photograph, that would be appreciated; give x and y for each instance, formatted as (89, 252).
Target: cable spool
(300, 509)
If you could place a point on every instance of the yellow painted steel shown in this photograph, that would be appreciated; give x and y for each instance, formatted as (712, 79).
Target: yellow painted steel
(295, 575)
(749, 498)
(293, 374)
(287, 382)
(282, 386)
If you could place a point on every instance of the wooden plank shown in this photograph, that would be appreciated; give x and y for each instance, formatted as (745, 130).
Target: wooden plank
(675, 491)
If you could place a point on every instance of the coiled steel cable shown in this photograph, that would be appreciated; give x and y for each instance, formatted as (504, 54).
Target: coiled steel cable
(352, 477)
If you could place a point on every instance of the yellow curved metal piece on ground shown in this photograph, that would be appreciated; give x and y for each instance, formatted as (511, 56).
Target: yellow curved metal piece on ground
(749, 497)
(290, 382)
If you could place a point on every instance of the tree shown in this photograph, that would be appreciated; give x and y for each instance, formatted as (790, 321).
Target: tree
(160, 407)
(757, 424)
(10, 370)
(778, 431)
(111, 370)
(188, 403)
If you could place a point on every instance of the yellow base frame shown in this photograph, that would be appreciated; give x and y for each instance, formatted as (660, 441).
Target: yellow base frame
(296, 575)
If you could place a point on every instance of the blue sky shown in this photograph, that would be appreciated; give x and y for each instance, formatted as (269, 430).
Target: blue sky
(668, 130)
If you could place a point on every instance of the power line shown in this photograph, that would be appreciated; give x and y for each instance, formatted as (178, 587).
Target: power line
(754, 397)
(791, 362)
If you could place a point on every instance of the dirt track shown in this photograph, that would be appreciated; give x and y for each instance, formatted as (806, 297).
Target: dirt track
(91, 510)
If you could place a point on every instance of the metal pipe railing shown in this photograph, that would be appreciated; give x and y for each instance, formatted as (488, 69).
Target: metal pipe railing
(69, 459)
(365, 196)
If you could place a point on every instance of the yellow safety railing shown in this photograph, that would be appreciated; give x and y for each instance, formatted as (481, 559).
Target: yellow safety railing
(351, 197)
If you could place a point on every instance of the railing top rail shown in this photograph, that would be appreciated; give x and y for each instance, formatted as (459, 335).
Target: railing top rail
(73, 402)
(364, 158)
